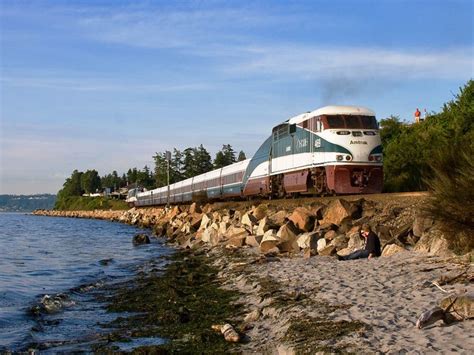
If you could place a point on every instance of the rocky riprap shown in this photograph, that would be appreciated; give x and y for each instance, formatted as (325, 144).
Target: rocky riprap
(316, 228)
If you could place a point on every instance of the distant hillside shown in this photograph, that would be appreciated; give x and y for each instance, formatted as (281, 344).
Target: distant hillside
(26, 203)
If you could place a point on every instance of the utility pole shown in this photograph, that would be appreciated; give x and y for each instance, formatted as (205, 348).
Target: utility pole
(168, 159)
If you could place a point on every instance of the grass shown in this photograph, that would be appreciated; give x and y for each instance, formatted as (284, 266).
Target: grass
(80, 203)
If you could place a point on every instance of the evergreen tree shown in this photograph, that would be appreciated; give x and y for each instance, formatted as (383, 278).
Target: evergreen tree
(242, 156)
(203, 159)
(90, 181)
(161, 166)
(224, 157)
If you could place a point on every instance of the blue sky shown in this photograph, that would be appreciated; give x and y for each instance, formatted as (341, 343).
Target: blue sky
(106, 84)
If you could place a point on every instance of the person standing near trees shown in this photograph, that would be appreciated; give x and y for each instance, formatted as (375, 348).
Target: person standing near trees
(417, 115)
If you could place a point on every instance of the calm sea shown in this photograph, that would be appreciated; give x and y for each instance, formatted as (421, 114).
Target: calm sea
(51, 270)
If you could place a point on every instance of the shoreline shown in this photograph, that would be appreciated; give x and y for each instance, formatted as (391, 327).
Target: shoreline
(292, 301)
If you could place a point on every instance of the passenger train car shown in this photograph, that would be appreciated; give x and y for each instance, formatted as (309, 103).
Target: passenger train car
(332, 150)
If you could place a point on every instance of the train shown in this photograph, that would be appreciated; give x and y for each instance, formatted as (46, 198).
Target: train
(333, 150)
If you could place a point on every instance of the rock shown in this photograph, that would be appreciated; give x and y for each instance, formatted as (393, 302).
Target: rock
(210, 236)
(339, 242)
(337, 211)
(303, 219)
(457, 307)
(205, 221)
(287, 232)
(253, 240)
(434, 242)
(401, 233)
(237, 242)
(196, 219)
(248, 220)
(318, 210)
(140, 239)
(278, 218)
(236, 232)
(194, 208)
(223, 226)
(252, 316)
(325, 227)
(321, 244)
(269, 242)
(308, 253)
(308, 240)
(289, 246)
(330, 235)
(328, 250)
(230, 334)
(356, 241)
(421, 225)
(260, 211)
(391, 249)
(263, 226)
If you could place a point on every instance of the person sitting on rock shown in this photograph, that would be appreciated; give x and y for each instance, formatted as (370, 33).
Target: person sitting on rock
(371, 249)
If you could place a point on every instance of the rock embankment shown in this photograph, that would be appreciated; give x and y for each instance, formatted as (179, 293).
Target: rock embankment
(317, 228)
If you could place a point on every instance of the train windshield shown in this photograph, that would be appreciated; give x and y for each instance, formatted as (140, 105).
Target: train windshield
(350, 121)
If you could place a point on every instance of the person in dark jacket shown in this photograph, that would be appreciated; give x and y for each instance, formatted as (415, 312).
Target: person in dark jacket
(371, 249)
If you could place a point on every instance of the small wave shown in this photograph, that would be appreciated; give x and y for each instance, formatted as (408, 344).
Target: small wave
(52, 304)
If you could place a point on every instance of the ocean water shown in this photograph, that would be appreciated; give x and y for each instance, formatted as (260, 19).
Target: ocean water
(51, 271)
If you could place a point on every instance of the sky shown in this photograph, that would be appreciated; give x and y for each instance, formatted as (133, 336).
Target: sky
(106, 84)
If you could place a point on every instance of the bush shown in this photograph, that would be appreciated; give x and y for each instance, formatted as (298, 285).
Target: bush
(80, 203)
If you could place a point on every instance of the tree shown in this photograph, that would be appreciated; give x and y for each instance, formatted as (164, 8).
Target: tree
(242, 156)
(90, 181)
(224, 157)
(203, 160)
(161, 166)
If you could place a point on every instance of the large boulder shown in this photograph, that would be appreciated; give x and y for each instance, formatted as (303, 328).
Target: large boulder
(278, 218)
(321, 244)
(330, 235)
(269, 242)
(391, 249)
(303, 219)
(337, 211)
(288, 231)
(205, 221)
(263, 226)
(248, 220)
(141, 238)
(210, 235)
(260, 211)
(308, 240)
(421, 225)
(339, 242)
(328, 250)
(194, 208)
(236, 232)
(356, 241)
(253, 240)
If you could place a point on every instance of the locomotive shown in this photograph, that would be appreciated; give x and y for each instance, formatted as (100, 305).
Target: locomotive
(331, 150)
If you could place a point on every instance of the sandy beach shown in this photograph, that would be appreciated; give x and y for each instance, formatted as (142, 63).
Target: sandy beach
(384, 296)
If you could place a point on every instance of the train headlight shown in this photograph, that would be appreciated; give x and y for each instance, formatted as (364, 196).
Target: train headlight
(377, 158)
(348, 157)
(339, 157)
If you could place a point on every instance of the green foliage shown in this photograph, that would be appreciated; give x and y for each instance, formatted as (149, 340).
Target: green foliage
(90, 182)
(80, 203)
(224, 157)
(452, 182)
(242, 156)
(411, 149)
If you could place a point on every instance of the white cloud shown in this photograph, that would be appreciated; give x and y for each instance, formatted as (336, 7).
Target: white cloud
(302, 62)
